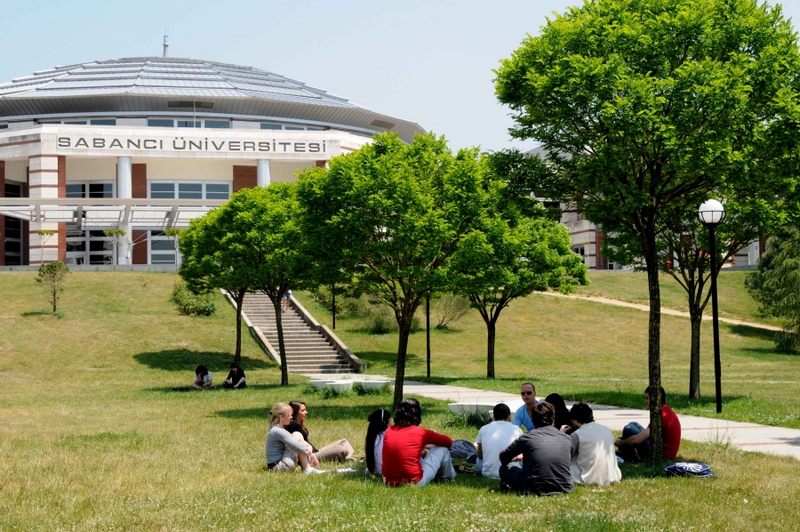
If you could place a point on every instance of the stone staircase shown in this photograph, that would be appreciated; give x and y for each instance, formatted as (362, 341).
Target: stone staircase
(310, 348)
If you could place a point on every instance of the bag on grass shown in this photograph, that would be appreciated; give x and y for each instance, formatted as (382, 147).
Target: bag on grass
(688, 469)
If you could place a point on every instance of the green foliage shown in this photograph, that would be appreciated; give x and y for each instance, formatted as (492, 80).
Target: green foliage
(52, 276)
(396, 213)
(191, 304)
(776, 285)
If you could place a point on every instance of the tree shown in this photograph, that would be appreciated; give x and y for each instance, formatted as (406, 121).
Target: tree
(392, 214)
(776, 284)
(642, 104)
(51, 276)
(508, 255)
(211, 262)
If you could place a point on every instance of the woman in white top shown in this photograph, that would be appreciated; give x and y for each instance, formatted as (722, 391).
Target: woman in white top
(285, 451)
(593, 457)
(373, 446)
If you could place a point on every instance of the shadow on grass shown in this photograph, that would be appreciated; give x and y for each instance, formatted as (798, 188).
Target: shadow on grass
(317, 413)
(186, 360)
(753, 332)
(33, 313)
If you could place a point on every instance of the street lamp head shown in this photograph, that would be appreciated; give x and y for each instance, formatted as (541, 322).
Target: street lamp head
(711, 212)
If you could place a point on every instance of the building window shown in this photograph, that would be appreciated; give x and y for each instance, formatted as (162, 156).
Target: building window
(190, 123)
(103, 122)
(160, 122)
(270, 125)
(159, 190)
(89, 247)
(162, 248)
(190, 190)
(217, 124)
(3, 126)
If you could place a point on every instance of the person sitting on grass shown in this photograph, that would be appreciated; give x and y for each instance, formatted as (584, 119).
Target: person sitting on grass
(373, 444)
(202, 378)
(493, 438)
(563, 421)
(236, 379)
(406, 460)
(522, 417)
(284, 451)
(546, 454)
(637, 445)
(593, 458)
(333, 452)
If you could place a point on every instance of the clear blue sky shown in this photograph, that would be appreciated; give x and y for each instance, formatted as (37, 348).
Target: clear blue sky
(429, 61)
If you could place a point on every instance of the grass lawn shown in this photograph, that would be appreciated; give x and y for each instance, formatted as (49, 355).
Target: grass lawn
(98, 431)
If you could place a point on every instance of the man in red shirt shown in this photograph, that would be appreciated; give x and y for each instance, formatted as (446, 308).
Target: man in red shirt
(403, 445)
(636, 444)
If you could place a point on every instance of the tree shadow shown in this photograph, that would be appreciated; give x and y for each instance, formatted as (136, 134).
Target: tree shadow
(33, 313)
(186, 360)
(753, 332)
(317, 413)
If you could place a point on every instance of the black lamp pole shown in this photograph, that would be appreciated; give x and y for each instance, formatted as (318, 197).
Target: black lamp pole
(711, 213)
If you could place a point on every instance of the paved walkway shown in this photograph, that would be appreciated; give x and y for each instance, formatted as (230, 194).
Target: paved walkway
(746, 436)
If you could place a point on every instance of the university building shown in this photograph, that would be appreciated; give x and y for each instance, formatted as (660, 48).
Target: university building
(99, 160)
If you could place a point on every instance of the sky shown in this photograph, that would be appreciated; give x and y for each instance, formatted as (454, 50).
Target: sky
(427, 61)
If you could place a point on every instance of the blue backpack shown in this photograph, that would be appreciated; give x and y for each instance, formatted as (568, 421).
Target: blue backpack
(688, 469)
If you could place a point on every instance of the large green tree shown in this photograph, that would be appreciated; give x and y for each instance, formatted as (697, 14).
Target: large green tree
(508, 255)
(776, 284)
(213, 260)
(392, 214)
(644, 103)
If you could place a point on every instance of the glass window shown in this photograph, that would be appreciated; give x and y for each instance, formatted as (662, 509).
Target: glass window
(162, 258)
(76, 122)
(162, 190)
(75, 190)
(3, 126)
(220, 124)
(190, 190)
(101, 190)
(160, 122)
(188, 123)
(294, 128)
(162, 245)
(218, 191)
(270, 125)
(103, 122)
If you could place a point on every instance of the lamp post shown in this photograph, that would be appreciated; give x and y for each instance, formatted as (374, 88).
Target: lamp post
(711, 213)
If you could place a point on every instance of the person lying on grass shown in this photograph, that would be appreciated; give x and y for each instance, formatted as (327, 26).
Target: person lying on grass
(406, 460)
(285, 451)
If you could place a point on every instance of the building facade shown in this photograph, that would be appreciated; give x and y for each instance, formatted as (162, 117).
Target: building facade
(100, 161)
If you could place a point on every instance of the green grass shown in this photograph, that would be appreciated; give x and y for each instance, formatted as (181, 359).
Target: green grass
(98, 432)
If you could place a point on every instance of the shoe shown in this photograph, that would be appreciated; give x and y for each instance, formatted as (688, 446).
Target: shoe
(313, 471)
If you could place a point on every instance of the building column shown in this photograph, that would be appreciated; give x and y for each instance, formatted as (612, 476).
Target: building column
(263, 175)
(124, 191)
(43, 182)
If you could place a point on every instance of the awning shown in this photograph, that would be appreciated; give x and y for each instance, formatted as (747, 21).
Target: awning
(107, 213)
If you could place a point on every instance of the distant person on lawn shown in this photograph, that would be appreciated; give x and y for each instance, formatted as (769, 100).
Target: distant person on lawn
(522, 417)
(235, 379)
(494, 438)
(593, 458)
(636, 443)
(546, 455)
(202, 378)
(285, 451)
(412, 454)
(337, 451)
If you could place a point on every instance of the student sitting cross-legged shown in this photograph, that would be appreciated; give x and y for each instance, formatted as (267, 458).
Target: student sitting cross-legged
(494, 438)
(404, 444)
(285, 451)
(593, 458)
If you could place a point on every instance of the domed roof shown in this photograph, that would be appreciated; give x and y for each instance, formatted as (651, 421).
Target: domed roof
(161, 84)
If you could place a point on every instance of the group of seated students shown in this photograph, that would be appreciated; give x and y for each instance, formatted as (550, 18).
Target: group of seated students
(288, 447)
(235, 380)
(560, 447)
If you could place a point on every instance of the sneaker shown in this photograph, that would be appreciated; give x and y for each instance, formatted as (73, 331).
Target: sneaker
(313, 471)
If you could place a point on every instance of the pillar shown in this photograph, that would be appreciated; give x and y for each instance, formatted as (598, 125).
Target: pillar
(124, 191)
(263, 176)
(43, 182)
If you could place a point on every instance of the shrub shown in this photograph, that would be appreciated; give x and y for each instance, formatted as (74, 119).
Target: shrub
(448, 309)
(51, 276)
(190, 304)
(787, 342)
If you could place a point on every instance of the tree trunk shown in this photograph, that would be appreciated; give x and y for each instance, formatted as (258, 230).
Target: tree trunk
(695, 317)
(491, 333)
(654, 343)
(404, 326)
(281, 344)
(237, 355)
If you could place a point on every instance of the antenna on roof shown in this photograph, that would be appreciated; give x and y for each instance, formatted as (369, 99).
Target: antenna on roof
(166, 45)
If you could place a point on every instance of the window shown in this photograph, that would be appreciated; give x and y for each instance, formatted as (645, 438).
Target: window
(190, 190)
(218, 124)
(160, 122)
(185, 122)
(188, 123)
(162, 248)
(103, 122)
(75, 122)
(89, 247)
(162, 190)
(218, 191)
(3, 126)
(270, 125)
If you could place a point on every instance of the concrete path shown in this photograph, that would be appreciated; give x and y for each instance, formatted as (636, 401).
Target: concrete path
(745, 436)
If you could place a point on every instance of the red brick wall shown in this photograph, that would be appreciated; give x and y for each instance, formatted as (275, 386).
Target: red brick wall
(139, 253)
(139, 182)
(244, 177)
(62, 193)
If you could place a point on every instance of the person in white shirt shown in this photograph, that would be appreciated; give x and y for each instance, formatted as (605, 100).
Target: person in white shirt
(494, 438)
(593, 457)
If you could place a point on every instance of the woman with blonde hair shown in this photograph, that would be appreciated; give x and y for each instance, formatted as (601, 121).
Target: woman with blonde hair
(285, 451)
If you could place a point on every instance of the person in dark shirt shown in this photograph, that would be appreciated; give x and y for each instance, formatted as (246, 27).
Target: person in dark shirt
(337, 451)
(546, 457)
(235, 379)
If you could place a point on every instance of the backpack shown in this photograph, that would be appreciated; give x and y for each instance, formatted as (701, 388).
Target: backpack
(688, 469)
